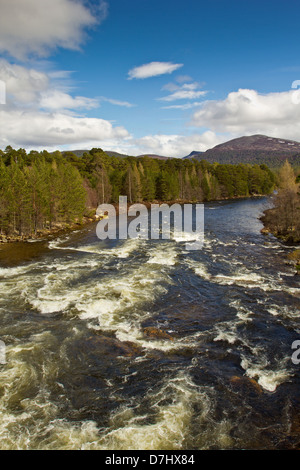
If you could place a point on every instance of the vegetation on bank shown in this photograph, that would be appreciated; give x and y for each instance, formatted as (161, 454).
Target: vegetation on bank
(294, 258)
(283, 220)
(42, 191)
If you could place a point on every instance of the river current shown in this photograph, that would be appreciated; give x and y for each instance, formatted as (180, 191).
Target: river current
(139, 344)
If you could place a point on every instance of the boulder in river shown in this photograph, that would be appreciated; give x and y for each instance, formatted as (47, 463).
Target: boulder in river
(152, 332)
(247, 382)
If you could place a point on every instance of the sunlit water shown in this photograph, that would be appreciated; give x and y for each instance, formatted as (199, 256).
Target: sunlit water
(142, 344)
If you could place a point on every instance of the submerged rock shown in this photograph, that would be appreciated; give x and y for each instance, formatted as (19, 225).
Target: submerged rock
(152, 332)
(238, 381)
(108, 345)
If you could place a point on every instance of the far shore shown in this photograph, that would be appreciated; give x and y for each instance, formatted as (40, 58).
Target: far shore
(50, 233)
(62, 229)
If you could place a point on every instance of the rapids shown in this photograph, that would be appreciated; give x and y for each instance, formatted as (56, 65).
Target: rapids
(142, 344)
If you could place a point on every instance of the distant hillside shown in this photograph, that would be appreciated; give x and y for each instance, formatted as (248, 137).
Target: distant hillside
(111, 153)
(256, 149)
(115, 154)
(78, 153)
(259, 142)
(150, 155)
(193, 154)
(121, 155)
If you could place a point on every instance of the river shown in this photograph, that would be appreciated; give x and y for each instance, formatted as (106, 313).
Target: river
(142, 344)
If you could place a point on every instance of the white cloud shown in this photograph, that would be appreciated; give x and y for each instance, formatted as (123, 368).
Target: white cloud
(23, 84)
(153, 69)
(33, 88)
(185, 106)
(58, 100)
(184, 79)
(176, 146)
(184, 95)
(187, 91)
(38, 26)
(247, 112)
(38, 114)
(126, 104)
(34, 129)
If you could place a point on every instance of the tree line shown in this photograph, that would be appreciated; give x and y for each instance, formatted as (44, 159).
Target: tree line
(283, 220)
(43, 190)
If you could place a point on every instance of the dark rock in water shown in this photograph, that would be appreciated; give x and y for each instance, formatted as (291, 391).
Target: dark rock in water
(246, 382)
(111, 346)
(152, 332)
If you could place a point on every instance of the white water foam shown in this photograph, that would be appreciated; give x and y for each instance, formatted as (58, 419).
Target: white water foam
(165, 254)
(124, 251)
(244, 278)
(267, 378)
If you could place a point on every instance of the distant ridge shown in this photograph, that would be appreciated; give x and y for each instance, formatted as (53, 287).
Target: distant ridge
(150, 155)
(121, 155)
(255, 149)
(193, 155)
(115, 154)
(78, 153)
(111, 153)
(259, 142)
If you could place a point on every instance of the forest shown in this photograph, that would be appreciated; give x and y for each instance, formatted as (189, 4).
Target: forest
(42, 190)
(283, 220)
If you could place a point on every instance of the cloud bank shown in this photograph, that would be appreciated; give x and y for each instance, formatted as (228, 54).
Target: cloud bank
(33, 129)
(37, 113)
(246, 112)
(176, 146)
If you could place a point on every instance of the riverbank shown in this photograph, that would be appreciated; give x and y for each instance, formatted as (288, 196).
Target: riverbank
(288, 239)
(53, 232)
(59, 229)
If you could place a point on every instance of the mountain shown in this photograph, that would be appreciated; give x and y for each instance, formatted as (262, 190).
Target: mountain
(259, 142)
(193, 154)
(255, 149)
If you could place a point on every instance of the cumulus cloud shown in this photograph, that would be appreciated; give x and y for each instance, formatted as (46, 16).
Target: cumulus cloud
(246, 112)
(56, 99)
(23, 84)
(38, 26)
(153, 69)
(34, 129)
(32, 88)
(176, 146)
(37, 113)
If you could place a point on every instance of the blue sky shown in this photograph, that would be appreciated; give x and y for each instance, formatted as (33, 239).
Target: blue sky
(143, 76)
